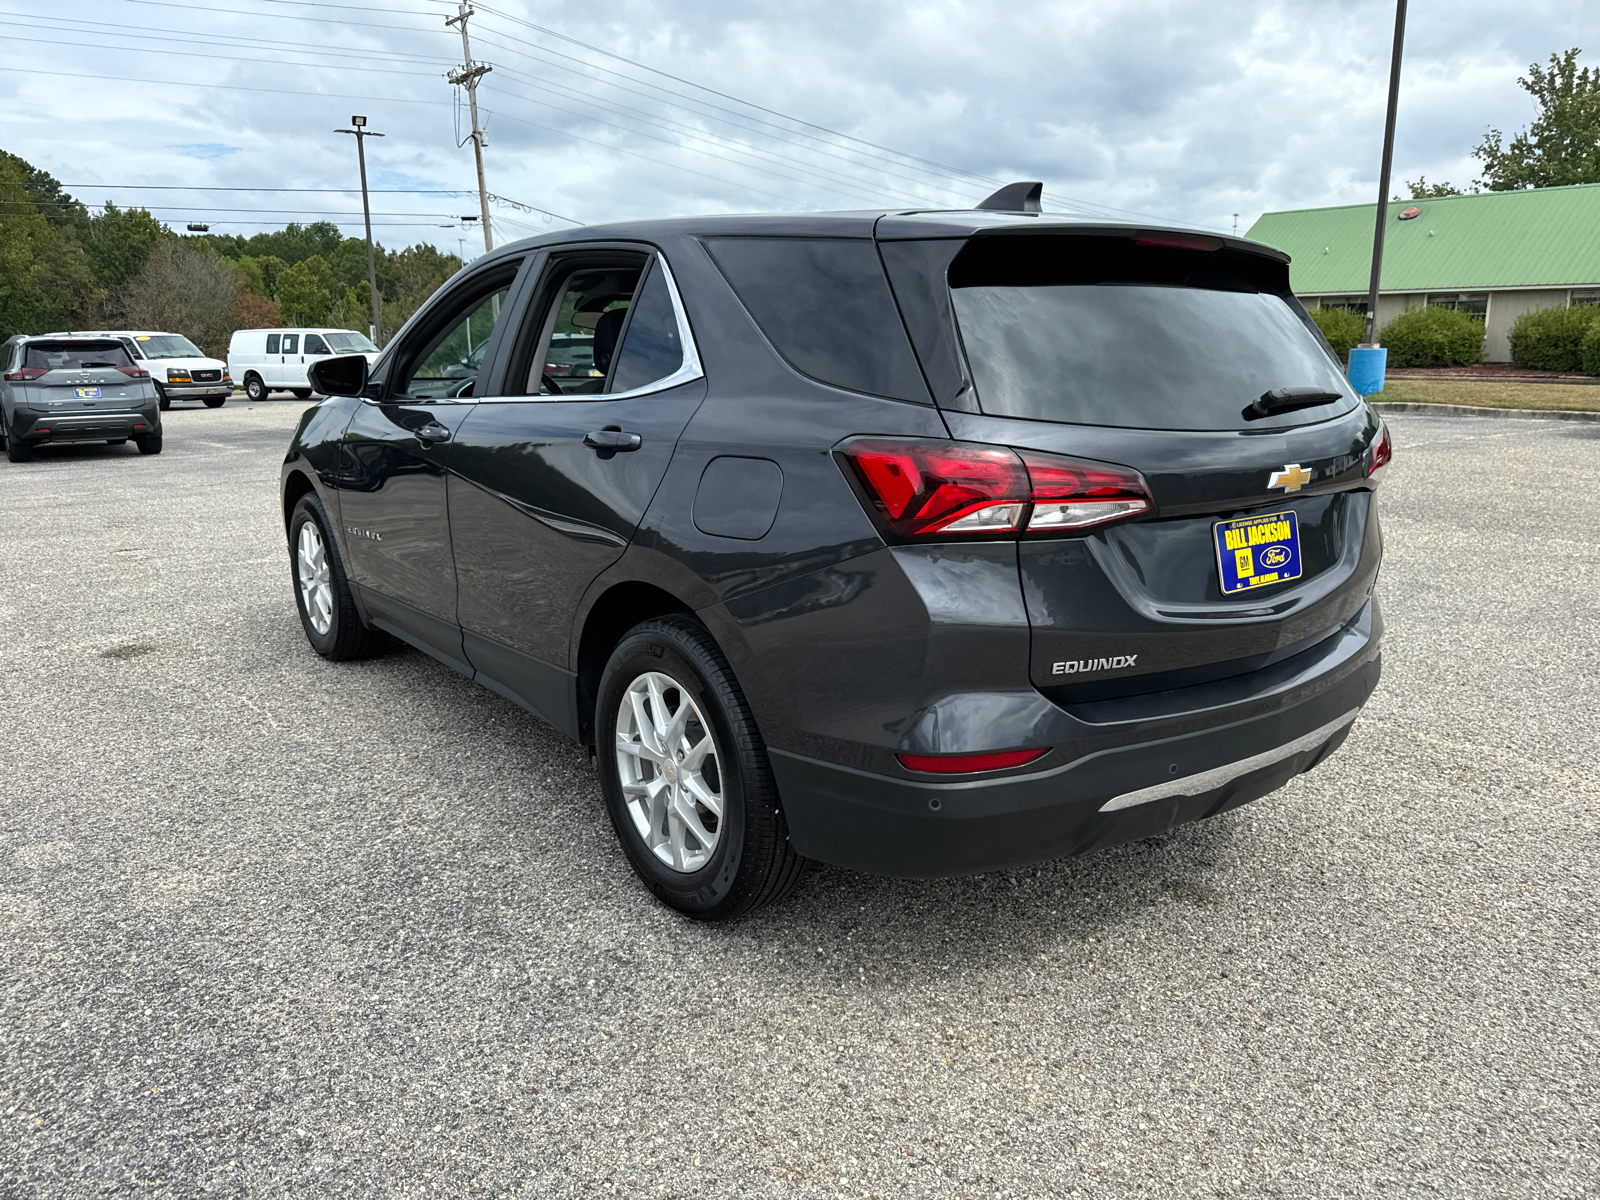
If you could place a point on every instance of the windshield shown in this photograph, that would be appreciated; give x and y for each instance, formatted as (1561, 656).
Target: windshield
(1119, 335)
(59, 356)
(345, 342)
(168, 345)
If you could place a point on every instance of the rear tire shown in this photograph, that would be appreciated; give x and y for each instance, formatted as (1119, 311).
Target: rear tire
(677, 783)
(18, 451)
(322, 593)
(150, 443)
(164, 400)
(254, 388)
(213, 401)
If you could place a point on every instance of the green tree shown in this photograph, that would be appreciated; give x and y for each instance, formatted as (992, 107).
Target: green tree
(185, 289)
(118, 241)
(300, 297)
(349, 261)
(45, 279)
(27, 184)
(1562, 146)
(1423, 190)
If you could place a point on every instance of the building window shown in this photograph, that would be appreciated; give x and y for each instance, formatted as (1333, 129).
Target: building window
(1353, 303)
(1585, 297)
(1476, 303)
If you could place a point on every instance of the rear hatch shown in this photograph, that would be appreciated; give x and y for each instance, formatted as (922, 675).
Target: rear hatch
(80, 377)
(1187, 360)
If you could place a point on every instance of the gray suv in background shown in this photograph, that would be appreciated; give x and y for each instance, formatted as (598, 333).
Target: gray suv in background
(74, 389)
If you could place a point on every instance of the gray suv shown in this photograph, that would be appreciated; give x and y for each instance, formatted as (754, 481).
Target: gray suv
(74, 389)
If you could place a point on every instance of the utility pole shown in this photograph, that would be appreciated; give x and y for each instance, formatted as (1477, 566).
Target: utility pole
(467, 76)
(361, 133)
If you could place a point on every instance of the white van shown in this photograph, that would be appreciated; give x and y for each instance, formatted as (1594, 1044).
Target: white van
(179, 368)
(273, 360)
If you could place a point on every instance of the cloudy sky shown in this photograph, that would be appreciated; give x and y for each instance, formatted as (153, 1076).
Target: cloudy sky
(1188, 111)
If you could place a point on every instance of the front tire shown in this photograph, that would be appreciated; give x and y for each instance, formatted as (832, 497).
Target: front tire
(254, 388)
(685, 774)
(164, 400)
(213, 401)
(322, 589)
(302, 393)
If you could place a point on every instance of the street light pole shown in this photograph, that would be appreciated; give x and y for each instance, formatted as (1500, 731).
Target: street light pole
(1383, 179)
(361, 133)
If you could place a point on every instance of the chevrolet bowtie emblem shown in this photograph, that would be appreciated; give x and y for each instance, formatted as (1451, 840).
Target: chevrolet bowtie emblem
(1291, 479)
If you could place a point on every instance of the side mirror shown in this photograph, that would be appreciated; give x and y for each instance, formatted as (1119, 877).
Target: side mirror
(342, 376)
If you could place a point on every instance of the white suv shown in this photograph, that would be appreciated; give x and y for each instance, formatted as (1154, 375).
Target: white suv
(179, 368)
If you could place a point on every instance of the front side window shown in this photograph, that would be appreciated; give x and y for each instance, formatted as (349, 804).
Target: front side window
(447, 353)
(315, 344)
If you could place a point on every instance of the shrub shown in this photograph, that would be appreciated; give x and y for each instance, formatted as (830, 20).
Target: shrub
(1433, 337)
(1551, 339)
(1343, 327)
(1591, 348)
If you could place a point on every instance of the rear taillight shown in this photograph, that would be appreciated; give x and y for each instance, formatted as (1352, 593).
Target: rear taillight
(1073, 495)
(936, 489)
(1380, 453)
(136, 372)
(962, 764)
(25, 375)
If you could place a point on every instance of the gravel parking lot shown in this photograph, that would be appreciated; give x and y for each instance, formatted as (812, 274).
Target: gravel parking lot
(271, 926)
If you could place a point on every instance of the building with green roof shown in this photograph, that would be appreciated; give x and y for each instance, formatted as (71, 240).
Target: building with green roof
(1498, 254)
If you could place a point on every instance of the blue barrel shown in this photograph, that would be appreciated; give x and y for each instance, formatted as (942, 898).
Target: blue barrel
(1365, 371)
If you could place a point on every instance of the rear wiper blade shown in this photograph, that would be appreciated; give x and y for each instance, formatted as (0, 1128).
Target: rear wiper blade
(1282, 400)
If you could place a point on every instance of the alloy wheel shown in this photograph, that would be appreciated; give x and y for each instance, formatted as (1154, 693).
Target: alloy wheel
(670, 773)
(311, 568)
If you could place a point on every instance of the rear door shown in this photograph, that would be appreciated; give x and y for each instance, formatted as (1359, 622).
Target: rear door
(551, 480)
(1146, 351)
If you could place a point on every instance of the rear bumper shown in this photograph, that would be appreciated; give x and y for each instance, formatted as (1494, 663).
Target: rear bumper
(1145, 777)
(88, 427)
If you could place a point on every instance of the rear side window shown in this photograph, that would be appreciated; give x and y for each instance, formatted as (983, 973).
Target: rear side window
(272, 343)
(291, 343)
(651, 348)
(67, 356)
(1104, 331)
(826, 306)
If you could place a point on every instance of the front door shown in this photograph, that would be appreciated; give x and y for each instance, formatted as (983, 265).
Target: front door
(547, 488)
(397, 454)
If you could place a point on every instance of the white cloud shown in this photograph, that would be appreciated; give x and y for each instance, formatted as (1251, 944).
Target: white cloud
(1188, 112)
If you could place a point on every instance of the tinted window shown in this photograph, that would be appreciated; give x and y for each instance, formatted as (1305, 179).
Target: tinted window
(272, 343)
(291, 343)
(591, 306)
(825, 305)
(651, 348)
(56, 356)
(446, 357)
(315, 345)
(1103, 332)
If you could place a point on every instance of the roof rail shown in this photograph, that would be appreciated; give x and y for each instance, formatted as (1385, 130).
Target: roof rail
(1015, 197)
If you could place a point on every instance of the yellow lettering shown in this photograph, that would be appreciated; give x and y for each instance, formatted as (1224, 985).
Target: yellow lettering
(1233, 538)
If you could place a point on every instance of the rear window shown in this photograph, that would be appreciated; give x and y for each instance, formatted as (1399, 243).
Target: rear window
(1102, 331)
(825, 305)
(63, 355)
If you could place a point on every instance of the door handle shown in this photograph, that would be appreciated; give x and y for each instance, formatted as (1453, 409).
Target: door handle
(614, 440)
(433, 432)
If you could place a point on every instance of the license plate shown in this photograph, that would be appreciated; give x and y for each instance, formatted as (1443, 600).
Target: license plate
(1255, 551)
(90, 393)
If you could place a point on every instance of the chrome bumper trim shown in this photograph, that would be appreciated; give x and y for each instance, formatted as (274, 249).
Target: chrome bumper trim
(1206, 781)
